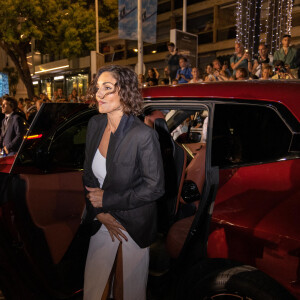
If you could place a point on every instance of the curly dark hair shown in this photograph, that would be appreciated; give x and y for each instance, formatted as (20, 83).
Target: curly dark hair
(127, 83)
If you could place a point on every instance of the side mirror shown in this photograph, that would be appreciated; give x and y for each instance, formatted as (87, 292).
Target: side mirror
(190, 192)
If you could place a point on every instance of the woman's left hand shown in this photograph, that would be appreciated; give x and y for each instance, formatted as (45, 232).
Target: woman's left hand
(95, 195)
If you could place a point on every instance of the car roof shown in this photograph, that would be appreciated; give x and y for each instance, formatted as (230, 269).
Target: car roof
(285, 92)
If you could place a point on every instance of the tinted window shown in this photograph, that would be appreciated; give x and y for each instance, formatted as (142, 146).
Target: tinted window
(247, 134)
(62, 129)
(67, 148)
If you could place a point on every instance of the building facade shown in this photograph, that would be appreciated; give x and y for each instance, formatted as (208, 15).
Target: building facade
(213, 21)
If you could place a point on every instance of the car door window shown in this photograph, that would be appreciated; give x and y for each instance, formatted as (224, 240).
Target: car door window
(248, 134)
(187, 127)
(67, 148)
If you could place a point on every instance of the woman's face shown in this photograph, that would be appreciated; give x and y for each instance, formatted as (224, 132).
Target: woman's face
(208, 69)
(150, 73)
(265, 73)
(195, 73)
(107, 95)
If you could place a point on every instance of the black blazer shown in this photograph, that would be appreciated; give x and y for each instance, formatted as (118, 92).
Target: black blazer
(134, 176)
(13, 135)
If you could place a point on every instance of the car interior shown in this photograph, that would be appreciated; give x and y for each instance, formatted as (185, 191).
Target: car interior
(183, 150)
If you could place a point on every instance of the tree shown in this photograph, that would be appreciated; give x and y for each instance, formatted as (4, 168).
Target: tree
(57, 26)
(108, 15)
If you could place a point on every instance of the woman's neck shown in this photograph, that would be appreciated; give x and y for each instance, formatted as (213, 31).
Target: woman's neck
(114, 119)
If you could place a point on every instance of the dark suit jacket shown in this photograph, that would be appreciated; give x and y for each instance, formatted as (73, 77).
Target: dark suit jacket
(13, 135)
(134, 178)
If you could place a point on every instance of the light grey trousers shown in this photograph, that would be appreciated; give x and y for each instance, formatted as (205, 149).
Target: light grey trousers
(100, 260)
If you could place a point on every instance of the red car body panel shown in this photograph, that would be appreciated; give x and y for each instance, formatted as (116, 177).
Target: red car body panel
(259, 207)
(6, 163)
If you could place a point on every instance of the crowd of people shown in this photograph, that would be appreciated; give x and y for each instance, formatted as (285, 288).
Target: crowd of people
(284, 64)
(16, 115)
(27, 108)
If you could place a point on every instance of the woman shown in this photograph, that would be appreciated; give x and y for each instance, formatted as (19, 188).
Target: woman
(209, 73)
(266, 71)
(123, 176)
(73, 97)
(153, 77)
(196, 76)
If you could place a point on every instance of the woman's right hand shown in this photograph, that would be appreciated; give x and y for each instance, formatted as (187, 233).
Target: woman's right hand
(113, 226)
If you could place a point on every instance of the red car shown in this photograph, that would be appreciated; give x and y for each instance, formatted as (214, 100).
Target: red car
(228, 222)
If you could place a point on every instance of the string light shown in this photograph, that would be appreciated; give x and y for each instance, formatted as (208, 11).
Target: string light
(277, 15)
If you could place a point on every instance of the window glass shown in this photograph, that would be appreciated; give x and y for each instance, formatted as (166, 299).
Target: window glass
(181, 135)
(187, 127)
(58, 141)
(248, 134)
(67, 149)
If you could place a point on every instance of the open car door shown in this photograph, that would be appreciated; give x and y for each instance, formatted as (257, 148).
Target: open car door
(45, 201)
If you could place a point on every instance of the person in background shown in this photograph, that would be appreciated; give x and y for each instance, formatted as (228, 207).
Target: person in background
(184, 74)
(21, 104)
(261, 59)
(21, 109)
(60, 96)
(225, 72)
(32, 110)
(282, 71)
(44, 98)
(54, 97)
(266, 72)
(73, 97)
(175, 82)
(209, 74)
(167, 77)
(121, 198)
(141, 80)
(240, 59)
(12, 127)
(241, 74)
(196, 76)
(153, 77)
(217, 70)
(172, 61)
(288, 55)
(163, 82)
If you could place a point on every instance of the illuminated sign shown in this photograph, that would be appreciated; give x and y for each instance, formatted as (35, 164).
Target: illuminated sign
(4, 86)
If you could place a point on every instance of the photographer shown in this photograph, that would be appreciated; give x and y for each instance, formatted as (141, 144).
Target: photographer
(240, 59)
(262, 58)
(288, 54)
(282, 71)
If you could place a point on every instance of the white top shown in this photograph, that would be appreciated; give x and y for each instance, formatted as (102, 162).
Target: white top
(99, 167)
(99, 170)
(195, 81)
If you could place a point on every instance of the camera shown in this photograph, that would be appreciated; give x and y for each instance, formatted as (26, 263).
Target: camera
(280, 69)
